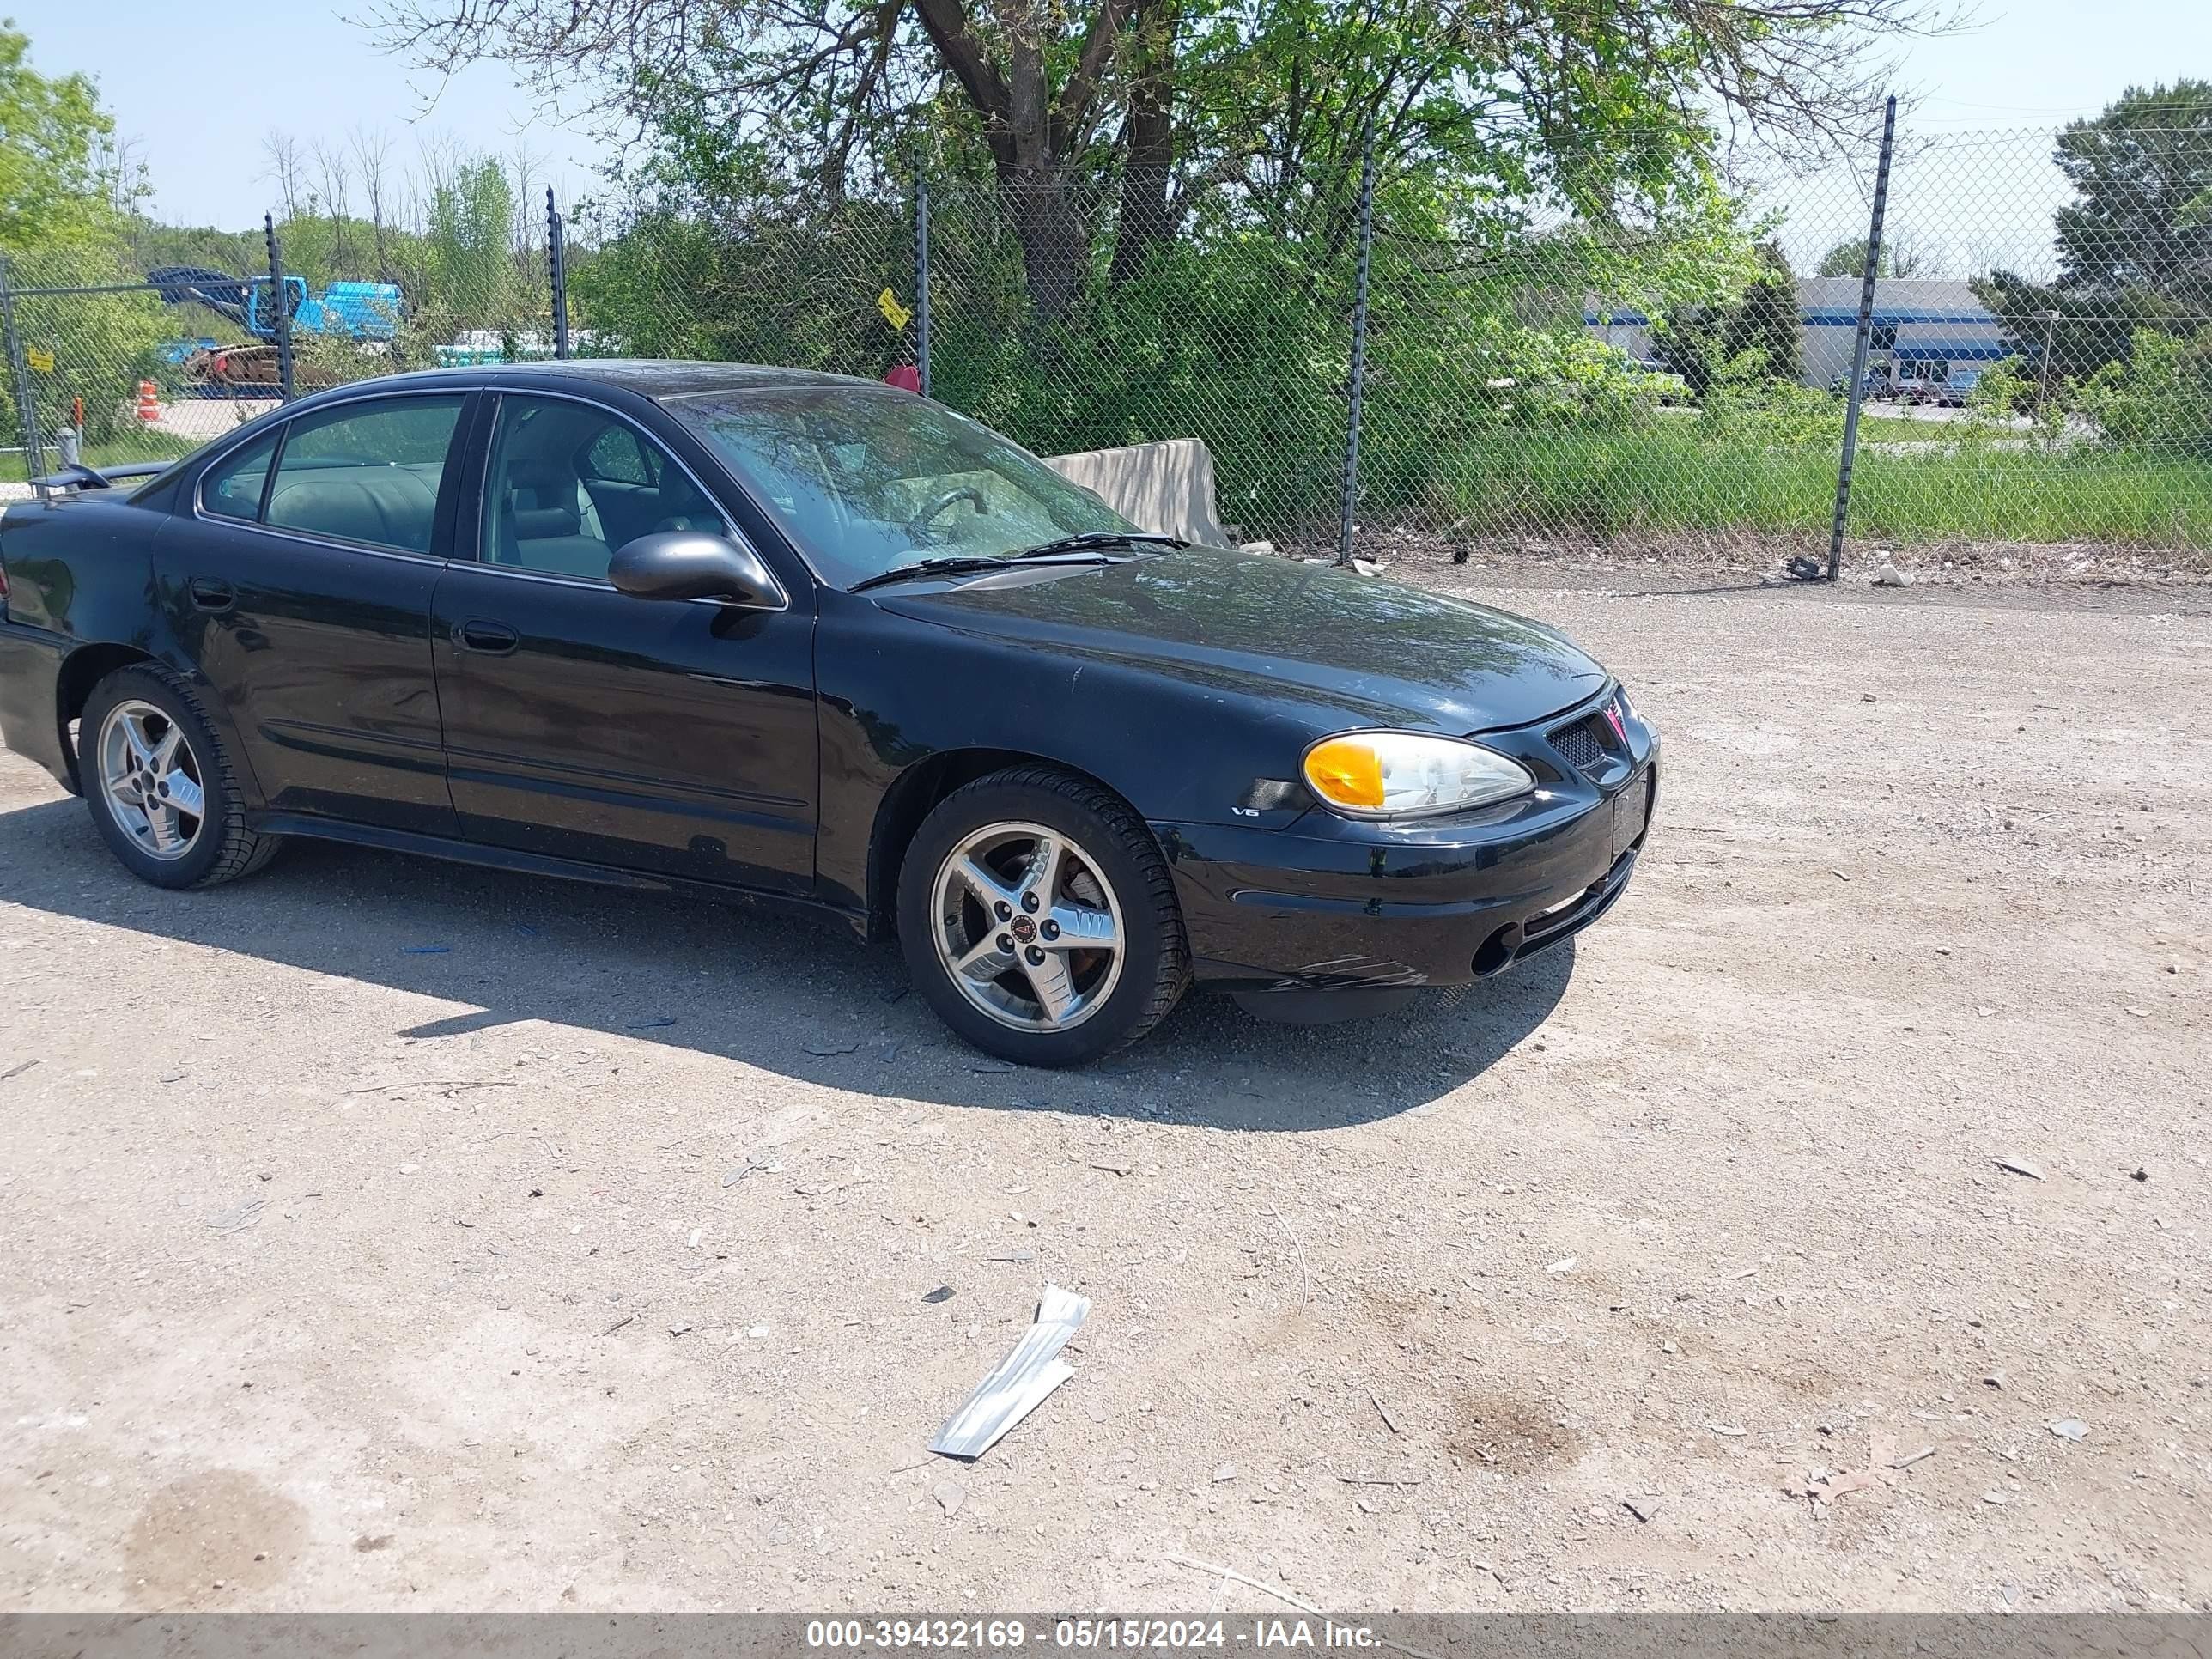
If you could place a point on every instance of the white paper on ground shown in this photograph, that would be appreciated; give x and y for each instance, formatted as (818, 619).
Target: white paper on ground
(1021, 1382)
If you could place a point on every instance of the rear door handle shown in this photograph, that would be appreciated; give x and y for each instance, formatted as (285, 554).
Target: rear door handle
(493, 638)
(208, 594)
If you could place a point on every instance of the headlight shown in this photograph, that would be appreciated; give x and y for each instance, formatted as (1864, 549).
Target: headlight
(1389, 775)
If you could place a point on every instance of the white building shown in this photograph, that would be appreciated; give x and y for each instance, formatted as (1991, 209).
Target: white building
(1626, 331)
(1921, 330)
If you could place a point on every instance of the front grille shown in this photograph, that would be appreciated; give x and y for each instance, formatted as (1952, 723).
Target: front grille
(1580, 745)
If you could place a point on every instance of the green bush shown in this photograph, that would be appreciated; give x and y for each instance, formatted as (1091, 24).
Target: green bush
(1745, 408)
(2159, 401)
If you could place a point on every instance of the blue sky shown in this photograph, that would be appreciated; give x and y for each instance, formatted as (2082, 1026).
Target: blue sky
(2037, 62)
(199, 99)
(188, 84)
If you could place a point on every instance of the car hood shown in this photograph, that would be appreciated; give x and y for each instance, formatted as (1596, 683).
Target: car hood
(1362, 650)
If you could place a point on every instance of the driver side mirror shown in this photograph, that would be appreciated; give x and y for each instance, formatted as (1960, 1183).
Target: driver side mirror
(694, 564)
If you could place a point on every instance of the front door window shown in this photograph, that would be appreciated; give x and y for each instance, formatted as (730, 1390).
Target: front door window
(570, 482)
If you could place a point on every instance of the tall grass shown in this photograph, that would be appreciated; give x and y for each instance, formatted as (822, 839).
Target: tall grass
(1668, 478)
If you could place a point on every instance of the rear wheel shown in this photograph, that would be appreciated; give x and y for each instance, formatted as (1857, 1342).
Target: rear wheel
(159, 786)
(1040, 921)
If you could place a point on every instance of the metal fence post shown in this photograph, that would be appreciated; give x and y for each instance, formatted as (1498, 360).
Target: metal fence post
(1859, 345)
(921, 280)
(556, 272)
(19, 376)
(282, 297)
(1349, 502)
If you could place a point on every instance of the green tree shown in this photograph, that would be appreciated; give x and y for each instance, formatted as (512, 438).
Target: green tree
(2135, 245)
(65, 197)
(1757, 335)
(2142, 173)
(2160, 399)
(1116, 120)
(467, 238)
(1848, 258)
(57, 176)
(1767, 321)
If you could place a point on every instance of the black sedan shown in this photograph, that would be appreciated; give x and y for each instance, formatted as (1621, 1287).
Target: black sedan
(823, 643)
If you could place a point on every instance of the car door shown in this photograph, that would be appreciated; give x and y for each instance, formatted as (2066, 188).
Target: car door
(672, 736)
(299, 578)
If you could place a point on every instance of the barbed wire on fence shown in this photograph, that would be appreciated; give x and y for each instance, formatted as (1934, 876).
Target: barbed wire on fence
(1538, 376)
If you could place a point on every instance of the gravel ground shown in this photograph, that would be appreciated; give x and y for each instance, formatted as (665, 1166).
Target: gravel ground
(383, 1235)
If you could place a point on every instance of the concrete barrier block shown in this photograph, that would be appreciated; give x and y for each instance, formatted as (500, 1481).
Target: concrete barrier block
(1166, 487)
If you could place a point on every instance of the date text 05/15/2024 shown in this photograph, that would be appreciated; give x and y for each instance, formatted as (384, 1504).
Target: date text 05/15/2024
(991, 1635)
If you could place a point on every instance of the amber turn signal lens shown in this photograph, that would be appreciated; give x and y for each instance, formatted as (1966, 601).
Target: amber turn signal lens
(1346, 772)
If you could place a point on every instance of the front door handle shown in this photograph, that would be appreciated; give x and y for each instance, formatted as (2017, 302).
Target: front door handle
(208, 594)
(493, 638)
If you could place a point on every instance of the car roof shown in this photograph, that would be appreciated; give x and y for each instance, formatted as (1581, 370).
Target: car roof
(648, 377)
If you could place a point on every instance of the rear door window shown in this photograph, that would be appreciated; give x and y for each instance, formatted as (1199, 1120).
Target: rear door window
(367, 471)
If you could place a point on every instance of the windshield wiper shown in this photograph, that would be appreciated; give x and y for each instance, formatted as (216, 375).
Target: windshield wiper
(1074, 550)
(1093, 539)
(959, 566)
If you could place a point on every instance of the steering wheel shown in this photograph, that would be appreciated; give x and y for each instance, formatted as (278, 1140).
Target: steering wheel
(920, 523)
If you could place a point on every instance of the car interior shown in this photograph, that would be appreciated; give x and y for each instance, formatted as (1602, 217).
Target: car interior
(568, 486)
(568, 483)
(867, 493)
(364, 474)
(376, 502)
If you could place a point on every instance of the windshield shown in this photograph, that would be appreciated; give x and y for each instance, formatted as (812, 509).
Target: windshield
(866, 480)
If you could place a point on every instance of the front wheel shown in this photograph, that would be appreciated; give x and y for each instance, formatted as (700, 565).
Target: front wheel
(1040, 921)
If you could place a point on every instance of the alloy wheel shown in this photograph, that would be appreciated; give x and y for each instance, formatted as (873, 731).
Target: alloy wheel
(1027, 927)
(151, 780)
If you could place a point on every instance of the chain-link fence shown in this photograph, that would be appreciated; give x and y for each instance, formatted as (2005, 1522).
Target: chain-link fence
(2038, 344)
(1673, 375)
(120, 356)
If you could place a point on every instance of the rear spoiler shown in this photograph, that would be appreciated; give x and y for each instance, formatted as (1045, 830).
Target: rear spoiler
(74, 478)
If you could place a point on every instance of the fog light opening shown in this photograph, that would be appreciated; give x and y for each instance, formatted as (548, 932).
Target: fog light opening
(1497, 951)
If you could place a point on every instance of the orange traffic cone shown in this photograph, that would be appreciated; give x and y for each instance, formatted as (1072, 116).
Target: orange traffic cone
(148, 408)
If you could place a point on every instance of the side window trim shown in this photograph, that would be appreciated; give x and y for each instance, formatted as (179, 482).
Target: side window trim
(468, 544)
(269, 479)
(445, 525)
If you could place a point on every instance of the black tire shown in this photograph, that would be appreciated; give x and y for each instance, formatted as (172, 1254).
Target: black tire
(223, 848)
(1155, 969)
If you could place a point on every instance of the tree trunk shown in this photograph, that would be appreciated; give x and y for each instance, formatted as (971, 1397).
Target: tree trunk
(1032, 133)
(1151, 133)
(1032, 188)
(1055, 243)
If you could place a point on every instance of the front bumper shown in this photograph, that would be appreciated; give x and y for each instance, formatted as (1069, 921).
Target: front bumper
(1329, 903)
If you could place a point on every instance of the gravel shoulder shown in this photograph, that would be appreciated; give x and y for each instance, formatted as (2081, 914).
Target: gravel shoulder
(389, 1236)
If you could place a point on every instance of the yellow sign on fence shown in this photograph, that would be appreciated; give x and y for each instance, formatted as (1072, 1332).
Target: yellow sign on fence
(42, 360)
(894, 313)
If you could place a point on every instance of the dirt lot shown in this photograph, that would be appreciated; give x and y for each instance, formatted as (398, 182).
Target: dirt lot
(580, 1263)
